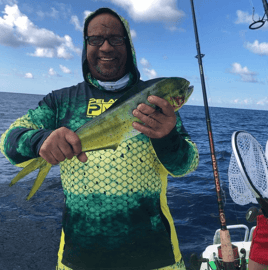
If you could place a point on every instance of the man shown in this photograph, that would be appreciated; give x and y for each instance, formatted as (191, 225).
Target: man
(116, 214)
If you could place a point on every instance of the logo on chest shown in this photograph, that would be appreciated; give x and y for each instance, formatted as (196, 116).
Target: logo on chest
(98, 106)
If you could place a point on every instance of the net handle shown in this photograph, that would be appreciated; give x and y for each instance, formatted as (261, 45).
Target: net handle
(265, 161)
(241, 166)
(266, 151)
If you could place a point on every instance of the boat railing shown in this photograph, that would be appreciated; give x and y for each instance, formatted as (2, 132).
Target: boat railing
(251, 233)
(217, 239)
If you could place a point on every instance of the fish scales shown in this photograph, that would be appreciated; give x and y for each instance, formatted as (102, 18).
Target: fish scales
(114, 126)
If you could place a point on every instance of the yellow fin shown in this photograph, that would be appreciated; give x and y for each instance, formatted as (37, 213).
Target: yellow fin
(33, 164)
(24, 164)
(44, 169)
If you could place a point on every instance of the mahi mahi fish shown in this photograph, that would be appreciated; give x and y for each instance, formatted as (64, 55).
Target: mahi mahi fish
(114, 126)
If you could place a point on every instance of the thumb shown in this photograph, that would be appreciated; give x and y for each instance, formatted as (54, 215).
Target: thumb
(82, 157)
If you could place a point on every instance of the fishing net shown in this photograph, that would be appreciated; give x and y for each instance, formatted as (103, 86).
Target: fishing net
(248, 169)
(259, 23)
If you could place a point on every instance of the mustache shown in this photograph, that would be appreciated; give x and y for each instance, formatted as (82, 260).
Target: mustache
(107, 56)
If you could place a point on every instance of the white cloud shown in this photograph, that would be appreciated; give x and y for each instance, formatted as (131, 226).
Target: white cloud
(64, 9)
(76, 23)
(62, 52)
(248, 101)
(236, 100)
(61, 11)
(245, 74)
(28, 76)
(133, 33)
(144, 62)
(54, 13)
(8, 2)
(43, 52)
(226, 32)
(257, 48)
(151, 10)
(173, 28)
(150, 73)
(17, 30)
(263, 101)
(243, 17)
(65, 69)
(52, 72)
(86, 13)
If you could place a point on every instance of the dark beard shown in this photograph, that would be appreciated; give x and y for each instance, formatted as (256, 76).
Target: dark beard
(112, 72)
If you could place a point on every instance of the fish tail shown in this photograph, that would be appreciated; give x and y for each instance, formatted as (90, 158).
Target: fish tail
(32, 166)
(44, 169)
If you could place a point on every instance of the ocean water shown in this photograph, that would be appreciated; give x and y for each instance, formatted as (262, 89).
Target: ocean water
(30, 231)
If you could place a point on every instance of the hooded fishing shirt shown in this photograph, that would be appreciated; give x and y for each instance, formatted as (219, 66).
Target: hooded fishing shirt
(116, 214)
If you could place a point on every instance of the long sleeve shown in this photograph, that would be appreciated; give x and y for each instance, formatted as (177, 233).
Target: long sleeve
(178, 154)
(25, 136)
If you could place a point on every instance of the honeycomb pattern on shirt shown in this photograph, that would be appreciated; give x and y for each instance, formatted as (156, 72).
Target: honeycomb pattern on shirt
(74, 114)
(43, 117)
(103, 193)
(112, 172)
(24, 122)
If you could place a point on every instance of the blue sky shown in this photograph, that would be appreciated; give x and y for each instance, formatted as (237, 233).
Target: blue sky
(41, 44)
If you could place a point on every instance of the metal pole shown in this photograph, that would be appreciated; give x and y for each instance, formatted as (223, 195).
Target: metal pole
(226, 245)
(265, 5)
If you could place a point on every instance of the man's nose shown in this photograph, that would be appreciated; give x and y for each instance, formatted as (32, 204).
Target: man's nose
(106, 46)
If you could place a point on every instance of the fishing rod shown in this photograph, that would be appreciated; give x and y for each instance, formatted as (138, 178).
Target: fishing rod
(265, 5)
(226, 245)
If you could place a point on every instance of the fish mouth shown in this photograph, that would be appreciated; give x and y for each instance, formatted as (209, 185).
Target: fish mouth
(177, 102)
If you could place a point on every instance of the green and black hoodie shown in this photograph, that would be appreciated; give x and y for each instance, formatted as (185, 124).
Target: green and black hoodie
(116, 214)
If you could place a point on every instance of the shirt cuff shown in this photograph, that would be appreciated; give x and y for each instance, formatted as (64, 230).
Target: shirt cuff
(168, 144)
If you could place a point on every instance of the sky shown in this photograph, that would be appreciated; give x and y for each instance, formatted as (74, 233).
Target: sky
(41, 44)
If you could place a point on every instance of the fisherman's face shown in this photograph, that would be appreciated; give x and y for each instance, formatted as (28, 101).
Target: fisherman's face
(106, 62)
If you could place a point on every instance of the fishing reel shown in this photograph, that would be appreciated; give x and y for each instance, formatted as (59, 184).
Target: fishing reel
(217, 263)
(238, 264)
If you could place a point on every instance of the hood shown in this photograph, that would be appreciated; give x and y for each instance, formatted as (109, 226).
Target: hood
(134, 73)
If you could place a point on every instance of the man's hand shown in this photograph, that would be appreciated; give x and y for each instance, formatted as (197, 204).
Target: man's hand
(62, 143)
(158, 124)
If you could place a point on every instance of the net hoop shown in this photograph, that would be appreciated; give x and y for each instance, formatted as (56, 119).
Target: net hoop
(241, 166)
(256, 22)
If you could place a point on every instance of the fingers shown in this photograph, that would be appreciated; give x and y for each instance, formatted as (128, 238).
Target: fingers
(157, 123)
(61, 144)
(57, 154)
(166, 107)
(47, 155)
(149, 132)
(73, 140)
(82, 157)
(152, 120)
